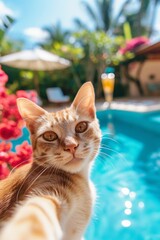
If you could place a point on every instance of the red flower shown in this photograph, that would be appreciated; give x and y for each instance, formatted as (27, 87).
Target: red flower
(22, 93)
(4, 171)
(4, 157)
(5, 147)
(32, 95)
(3, 78)
(3, 93)
(23, 155)
(9, 129)
(132, 44)
(24, 151)
(11, 125)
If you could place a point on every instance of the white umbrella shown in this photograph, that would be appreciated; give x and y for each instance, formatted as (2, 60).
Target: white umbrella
(36, 60)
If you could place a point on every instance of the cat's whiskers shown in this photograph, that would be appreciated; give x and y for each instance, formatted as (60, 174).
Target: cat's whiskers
(37, 177)
(44, 156)
(108, 138)
(23, 182)
(102, 138)
(29, 176)
(114, 151)
(19, 164)
(105, 154)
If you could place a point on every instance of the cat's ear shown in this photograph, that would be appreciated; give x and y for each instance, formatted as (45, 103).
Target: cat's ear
(28, 109)
(84, 101)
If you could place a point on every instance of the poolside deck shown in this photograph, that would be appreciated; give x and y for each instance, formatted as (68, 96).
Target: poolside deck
(133, 105)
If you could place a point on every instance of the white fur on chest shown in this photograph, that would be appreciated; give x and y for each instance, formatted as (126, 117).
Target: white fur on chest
(75, 218)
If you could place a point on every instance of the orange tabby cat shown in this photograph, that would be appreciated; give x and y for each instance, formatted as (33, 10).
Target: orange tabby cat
(51, 199)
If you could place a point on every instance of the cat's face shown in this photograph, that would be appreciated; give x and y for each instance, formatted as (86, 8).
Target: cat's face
(68, 139)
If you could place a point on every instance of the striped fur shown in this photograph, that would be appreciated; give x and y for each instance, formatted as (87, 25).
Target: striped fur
(52, 198)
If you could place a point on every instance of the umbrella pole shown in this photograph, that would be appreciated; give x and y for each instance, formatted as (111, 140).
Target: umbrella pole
(36, 82)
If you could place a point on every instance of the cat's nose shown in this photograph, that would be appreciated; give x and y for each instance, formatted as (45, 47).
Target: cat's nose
(71, 148)
(70, 145)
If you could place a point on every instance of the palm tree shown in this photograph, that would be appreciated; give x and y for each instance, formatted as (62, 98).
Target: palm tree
(151, 27)
(101, 16)
(6, 23)
(7, 45)
(103, 19)
(142, 21)
(57, 34)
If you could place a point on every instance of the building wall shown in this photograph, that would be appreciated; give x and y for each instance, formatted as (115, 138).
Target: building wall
(150, 67)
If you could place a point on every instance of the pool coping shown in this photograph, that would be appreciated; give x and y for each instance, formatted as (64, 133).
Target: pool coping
(141, 105)
(132, 105)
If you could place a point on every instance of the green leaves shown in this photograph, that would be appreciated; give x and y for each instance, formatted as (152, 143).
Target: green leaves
(98, 46)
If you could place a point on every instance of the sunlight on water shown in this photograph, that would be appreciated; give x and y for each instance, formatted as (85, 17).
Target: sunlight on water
(127, 178)
(125, 191)
(128, 204)
(127, 211)
(126, 223)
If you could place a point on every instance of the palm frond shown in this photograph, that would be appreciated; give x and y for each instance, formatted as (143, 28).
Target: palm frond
(80, 24)
(92, 14)
(121, 12)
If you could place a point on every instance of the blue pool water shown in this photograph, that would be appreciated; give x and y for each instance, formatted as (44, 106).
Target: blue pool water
(127, 177)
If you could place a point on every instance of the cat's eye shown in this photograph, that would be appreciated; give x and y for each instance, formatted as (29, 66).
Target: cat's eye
(49, 136)
(81, 127)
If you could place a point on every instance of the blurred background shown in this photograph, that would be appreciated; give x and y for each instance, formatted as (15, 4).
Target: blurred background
(92, 35)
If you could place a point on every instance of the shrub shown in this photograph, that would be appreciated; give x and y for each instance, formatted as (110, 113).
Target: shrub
(11, 125)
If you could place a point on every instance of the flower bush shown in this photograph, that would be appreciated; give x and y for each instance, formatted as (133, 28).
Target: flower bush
(11, 125)
(133, 44)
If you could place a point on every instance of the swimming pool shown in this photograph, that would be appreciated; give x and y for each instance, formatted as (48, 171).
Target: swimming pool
(127, 176)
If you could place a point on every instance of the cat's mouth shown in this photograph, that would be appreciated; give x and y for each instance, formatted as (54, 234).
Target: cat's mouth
(74, 160)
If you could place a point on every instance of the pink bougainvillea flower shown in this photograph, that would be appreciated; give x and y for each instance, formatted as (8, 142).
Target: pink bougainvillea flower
(3, 92)
(9, 130)
(132, 44)
(4, 157)
(3, 78)
(5, 147)
(32, 95)
(11, 125)
(22, 93)
(24, 151)
(4, 171)
(23, 155)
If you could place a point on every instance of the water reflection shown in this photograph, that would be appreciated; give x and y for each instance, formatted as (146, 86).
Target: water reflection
(127, 211)
(141, 204)
(128, 183)
(126, 223)
(125, 191)
(132, 195)
(128, 204)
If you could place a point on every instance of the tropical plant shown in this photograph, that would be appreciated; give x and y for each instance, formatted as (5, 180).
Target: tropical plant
(137, 18)
(101, 16)
(56, 34)
(7, 45)
(89, 52)
(100, 50)
(11, 125)
(153, 16)
(6, 23)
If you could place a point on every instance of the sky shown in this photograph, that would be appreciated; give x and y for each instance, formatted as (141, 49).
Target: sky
(32, 15)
